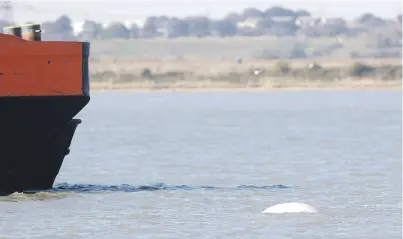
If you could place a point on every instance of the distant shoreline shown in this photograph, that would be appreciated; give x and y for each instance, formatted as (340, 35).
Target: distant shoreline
(375, 86)
(201, 75)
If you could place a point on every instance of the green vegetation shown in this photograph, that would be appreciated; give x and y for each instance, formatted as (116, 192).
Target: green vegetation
(293, 33)
(280, 74)
(281, 70)
(247, 48)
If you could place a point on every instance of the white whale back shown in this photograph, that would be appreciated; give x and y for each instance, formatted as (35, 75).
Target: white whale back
(291, 207)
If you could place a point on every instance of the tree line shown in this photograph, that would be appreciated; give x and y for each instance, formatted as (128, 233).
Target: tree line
(274, 21)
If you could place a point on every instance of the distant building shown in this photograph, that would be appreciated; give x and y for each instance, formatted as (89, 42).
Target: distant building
(249, 23)
(138, 23)
(307, 21)
(333, 21)
(77, 27)
(282, 19)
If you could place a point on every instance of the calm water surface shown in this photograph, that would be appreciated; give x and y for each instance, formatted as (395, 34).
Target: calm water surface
(204, 165)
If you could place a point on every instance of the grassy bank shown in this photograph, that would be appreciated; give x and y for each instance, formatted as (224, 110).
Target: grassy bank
(112, 74)
(213, 64)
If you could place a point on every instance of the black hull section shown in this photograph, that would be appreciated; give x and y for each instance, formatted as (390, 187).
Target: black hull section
(35, 136)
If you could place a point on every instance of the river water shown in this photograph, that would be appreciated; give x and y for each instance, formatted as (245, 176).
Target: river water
(205, 165)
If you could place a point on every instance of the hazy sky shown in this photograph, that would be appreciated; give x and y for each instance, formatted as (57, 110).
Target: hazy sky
(30, 10)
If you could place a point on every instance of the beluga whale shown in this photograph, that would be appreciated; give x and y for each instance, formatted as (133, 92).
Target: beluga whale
(291, 207)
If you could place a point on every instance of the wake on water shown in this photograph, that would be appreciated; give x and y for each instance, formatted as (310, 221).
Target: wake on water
(63, 190)
(83, 188)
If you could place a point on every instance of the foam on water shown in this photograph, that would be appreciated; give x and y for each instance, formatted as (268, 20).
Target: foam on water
(63, 190)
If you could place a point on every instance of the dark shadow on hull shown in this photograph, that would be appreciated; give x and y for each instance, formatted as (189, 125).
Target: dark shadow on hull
(36, 134)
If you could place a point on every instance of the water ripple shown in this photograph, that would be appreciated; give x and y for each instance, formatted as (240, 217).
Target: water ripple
(82, 188)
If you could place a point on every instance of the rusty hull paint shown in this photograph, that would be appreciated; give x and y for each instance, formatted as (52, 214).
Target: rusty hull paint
(46, 68)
